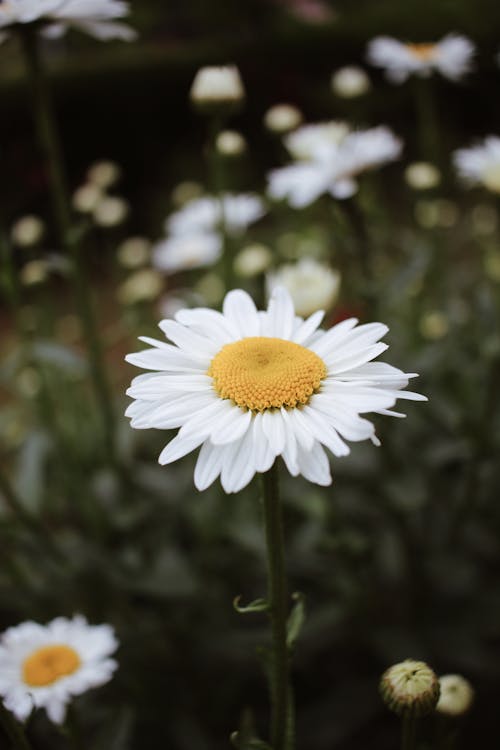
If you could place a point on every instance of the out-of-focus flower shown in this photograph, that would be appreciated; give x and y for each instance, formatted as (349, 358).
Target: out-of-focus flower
(436, 213)
(452, 57)
(27, 231)
(281, 118)
(205, 214)
(230, 143)
(34, 272)
(248, 386)
(186, 251)
(410, 688)
(252, 260)
(134, 252)
(330, 164)
(217, 86)
(422, 175)
(311, 11)
(45, 666)
(350, 82)
(110, 211)
(480, 165)
(86, 197)
(312, 285)
(211, 288)
(104, 174)
(141, 286)
(457, 695)
(186, 191)
(434, 325)
(94, 17)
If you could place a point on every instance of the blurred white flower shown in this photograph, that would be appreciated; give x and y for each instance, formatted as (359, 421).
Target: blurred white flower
(86, 197)
(27, 231)
(45, 666)
(110, 211)
(452, 57)
(332, 164)
(205, 214)
(141, 286)
(34, 272)
(230, 143)
(456, 697)
(434, 325)
(186, 191)
(104, 174)
(312, 285)
(94, 17)
(134, 252)
(252, 260)
(422, 175)
(281, 118)
(186, 251)
(311, 141)
(480, 165)
(217, 85)
(350, 82)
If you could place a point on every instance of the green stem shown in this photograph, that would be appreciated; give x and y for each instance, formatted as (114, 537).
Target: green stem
(49, 142)
(408, 733)
(281, 694)
(429, 142)
(13, 729)
(218, 186)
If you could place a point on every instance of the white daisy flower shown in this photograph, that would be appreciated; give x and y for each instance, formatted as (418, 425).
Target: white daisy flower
(311, 141)
(480, 165)
(452, 57)
(44, 666)
(205, 214)
(249, 386)
(94, 17)
(186, 251)
(214, 84)
(332, 165)
(312, 285)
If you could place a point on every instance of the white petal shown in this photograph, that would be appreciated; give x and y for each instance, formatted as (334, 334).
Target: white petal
(280, 314)
(263, 454)
(196, 346)
(56, 710)
(238, 467)
(239, 308)
(172, 360)
(308, 327)
(356, 358)
(324, 432)
(178, 447)
(274, 430)
(314, 465)
(231, 427)
(333, 337)
(209, 323)
(208, 465)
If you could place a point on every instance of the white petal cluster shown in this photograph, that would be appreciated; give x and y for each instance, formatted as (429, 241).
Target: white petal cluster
(237, 442)
(94, 17)
(480, 165)
(350, 82)
(193, 233)
(312, 285)
(217, 84)
(329, 158)
(452, 57)
(93, 644)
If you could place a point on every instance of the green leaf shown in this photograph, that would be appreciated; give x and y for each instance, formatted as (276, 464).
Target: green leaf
(296, 619)
(258, 605)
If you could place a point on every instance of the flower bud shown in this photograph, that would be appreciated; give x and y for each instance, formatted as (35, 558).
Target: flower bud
(230, 143)
(134, 252)
(216, 89)
(252, 260)
(282, 117)
(35, 272)
(27, 231)
(110, 211)
(422, 176)
(86, 197)
(457, 695)
(350, 82)
(312, 285)
(141, 286)
(410, 688)
(104, 174)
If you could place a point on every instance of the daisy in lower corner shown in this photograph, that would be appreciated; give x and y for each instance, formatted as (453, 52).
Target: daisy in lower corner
(44, 666)
(249, 386)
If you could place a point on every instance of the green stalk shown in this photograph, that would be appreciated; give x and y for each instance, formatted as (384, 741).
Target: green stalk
(429, 141)
(282, 730)
(408, 733)
(13, 730)
(49, 142)
(218, 186)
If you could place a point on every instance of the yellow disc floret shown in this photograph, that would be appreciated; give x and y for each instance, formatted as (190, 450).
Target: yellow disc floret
(261, 373)
(48, 664)
(423, 52)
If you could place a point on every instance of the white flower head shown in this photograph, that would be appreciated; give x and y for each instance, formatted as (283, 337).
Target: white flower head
(311, 141)
(350, 82)
(206, 214)
(230, 143)
(217, 85)
(27, 231)
(480, 165)
(45, 666)
(249, 386)
(280, 118)
(312, 285)
(452, 57)
(421, 175)
(94, 17)
(333, 165)
(457, 695)
(186, 251)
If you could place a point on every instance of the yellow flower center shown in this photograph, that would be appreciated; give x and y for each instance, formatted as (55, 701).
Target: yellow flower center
(261, 373)
(423, 52)
(47, 664)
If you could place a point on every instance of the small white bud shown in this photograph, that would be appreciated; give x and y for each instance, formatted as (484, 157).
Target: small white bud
(457, 695)
(350, 82)
(252, 260)
(282, 117)
(141, 286)
(104, 174)
(134, 252)
(230, 143)
(86, 198)
(27, 231)
(110, 211)
(216, 86)
(422, 175)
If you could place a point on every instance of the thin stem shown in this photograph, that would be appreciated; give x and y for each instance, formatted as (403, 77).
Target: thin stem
(218, 186)
(13, 730)
(427, 121)
(49, 142)
(408, 733)
(281, 694)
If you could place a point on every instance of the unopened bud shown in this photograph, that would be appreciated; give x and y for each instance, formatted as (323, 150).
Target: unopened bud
(282, 117)
(457, 695)
(350, 82)
(216, 89)
(230, 143)
(410, 689)
(27, 231)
